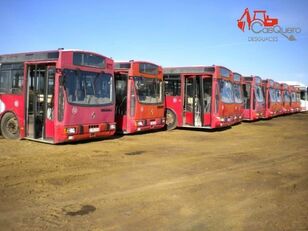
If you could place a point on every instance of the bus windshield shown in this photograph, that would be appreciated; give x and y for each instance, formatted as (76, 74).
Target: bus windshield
(149, 90)
(238, 98)
(259, 94)
(272, 95)
(226, 91)
(88, 88)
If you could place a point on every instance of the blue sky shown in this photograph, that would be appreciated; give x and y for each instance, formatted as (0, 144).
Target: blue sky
(169, 33)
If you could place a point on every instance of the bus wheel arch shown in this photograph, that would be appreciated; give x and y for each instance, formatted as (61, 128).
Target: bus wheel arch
(171, 119)
(9, 126)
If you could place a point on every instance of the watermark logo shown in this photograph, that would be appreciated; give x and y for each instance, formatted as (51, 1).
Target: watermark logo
(265, 27)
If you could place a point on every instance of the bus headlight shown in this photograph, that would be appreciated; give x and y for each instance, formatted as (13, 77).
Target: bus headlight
(140, 123)
(112, 127)
(70, 131)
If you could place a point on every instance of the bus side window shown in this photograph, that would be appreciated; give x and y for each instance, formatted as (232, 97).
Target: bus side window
(246, 91)
(11, 78)
(4, 81)
(207, 88)
(172, 85)
(17, 77)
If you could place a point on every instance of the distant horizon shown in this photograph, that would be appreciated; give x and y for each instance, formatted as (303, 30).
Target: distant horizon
(168, 33)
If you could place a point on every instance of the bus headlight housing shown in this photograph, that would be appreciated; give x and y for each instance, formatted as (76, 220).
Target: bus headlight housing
(112, 127)
(70, 131)
(140, 123)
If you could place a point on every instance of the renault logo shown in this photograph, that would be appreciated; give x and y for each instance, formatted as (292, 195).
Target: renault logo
(93, 115)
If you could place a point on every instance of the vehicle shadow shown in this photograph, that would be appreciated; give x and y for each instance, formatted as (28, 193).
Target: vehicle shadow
(206, 130)
(114, 137)
(94, 140)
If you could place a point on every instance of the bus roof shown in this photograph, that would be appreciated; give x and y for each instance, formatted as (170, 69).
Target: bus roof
(22, 57)
(37, 55)
(127, 64)
(182, 70)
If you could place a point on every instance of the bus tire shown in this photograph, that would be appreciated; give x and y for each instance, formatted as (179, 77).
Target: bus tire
(171, 120)
(9, 126)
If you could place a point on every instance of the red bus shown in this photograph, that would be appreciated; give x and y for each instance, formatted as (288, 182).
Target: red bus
(295, 99)
(238, 97)
(254, 103)
(139, 96)
(56, 96)
(270, 95)
(286, 98)
(199, 97)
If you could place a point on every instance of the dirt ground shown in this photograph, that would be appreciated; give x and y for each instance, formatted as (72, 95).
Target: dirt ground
(253, 176)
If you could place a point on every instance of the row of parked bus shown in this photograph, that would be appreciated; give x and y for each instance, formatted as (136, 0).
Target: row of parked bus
(70, 95)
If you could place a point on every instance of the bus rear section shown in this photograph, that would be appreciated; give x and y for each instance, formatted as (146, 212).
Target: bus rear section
(139, 97)
(62, 96)
(199, 97)
(238, 97)
(254, 102)
(286, 98)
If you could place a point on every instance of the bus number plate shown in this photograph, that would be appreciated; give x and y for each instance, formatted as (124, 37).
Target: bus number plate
(152, 122)
(91, 130)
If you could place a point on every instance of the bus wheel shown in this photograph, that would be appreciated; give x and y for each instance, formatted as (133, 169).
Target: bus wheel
(170, 120)
(9, 126)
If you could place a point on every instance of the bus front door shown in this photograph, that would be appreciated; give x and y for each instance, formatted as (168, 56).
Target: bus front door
(193, 112)
(39, 105)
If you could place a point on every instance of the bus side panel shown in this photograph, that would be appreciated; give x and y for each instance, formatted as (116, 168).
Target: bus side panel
(189, 118)
(207, 119)
(50, 128)
(246, 114)
(175, 104)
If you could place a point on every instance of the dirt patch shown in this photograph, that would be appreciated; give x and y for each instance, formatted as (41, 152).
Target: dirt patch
(84, 210)
(250, 177)
(134, 153)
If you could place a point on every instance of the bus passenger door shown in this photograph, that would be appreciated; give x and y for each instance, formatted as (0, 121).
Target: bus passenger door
(207, 90)
(192, 102)
(39, 105)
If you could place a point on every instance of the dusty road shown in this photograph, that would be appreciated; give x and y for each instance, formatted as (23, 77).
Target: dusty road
(253, 176)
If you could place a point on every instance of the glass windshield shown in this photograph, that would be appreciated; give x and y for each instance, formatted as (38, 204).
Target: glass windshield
(238, 98)
(149, 90)
(226, 91)
(272, 95)
(88, 88)
(278, 95)
(259, 94)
